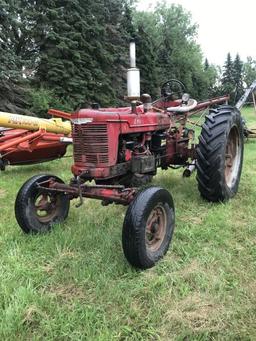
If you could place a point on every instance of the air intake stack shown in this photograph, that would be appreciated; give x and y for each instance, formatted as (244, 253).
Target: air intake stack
(133, 75)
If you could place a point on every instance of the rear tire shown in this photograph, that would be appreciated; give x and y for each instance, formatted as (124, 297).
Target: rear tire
(148, 227)
(220, 154)
(36, 212)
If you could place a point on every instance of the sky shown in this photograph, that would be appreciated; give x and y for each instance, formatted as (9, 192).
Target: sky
(224, 26)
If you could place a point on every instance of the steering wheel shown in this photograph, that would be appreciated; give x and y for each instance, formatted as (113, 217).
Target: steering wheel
(173, 88)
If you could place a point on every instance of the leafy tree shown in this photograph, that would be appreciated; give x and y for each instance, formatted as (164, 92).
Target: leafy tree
(178, 55)
(147, 62)
(212, 75)
(249, 71)
(176, 39)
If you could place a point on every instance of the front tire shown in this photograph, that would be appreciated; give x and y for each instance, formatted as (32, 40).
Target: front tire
(148, 227)
(220, 154)
(35, 211)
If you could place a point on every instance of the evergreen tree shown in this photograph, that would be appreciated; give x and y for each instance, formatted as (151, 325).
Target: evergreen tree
(238, 77)
(206, 64)
(63, 33)
(77, 52)
(12, 84)
(227, 80)
(118, 31)
(81, 48)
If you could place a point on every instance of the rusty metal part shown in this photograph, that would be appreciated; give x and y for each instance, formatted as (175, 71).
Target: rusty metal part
(59, 113)
(232, 157)
(117, 194)
(156, 228)
(45, 206)
(30, 137)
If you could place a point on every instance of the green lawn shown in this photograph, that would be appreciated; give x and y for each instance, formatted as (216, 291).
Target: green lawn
(74, 283)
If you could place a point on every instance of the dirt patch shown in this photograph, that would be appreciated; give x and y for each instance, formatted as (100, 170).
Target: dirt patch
(67, 292)
(193, 267)
(32, 316)
(2, 193)
(250, 289)
(196, 312)
(55, 262)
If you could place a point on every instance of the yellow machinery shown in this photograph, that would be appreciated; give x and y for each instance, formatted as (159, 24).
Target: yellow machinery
(28, 139)
(54, 125)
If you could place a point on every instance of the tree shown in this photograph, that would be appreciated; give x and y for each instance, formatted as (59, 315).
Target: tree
(227, 80)
(81, 48)
(206, 64)
(118, 31)
(12, 85)
(238, 77)
(212, 76)
(178, 55)
(147, 62)
(63, 33)
(249, 71)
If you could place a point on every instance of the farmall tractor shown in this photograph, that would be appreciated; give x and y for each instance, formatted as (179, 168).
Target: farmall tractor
(120, 149)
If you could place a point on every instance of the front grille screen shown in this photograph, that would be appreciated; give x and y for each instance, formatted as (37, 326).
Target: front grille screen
(90, 143)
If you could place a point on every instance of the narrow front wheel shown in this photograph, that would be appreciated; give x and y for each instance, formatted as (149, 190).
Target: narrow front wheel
(148, 227)
(36, 211)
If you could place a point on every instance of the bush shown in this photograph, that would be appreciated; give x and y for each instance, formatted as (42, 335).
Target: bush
(43, 99)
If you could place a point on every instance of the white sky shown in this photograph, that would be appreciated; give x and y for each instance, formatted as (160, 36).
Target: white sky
(224, 26)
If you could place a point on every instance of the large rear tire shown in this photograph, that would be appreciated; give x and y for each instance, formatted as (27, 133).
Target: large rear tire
(148, 227)
(220, 154)
(37, 211)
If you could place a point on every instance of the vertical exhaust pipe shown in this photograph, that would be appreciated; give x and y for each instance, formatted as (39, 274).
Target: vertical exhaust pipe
(132, 54)
(133, 75)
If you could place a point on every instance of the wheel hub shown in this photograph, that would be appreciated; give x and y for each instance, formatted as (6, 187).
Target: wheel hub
(156, 228)
(232, 157)
(45, 207)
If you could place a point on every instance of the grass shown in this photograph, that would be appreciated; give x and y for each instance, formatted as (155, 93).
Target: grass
(75, 284)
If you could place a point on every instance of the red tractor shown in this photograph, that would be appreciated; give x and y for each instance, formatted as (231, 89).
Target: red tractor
(121, 150)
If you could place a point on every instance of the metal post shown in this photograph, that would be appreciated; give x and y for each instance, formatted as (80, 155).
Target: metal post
(254, 100)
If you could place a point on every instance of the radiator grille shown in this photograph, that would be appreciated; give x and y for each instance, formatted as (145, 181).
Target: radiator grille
(90, 143)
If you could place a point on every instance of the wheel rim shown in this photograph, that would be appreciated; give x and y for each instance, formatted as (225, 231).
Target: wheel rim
(46, 207)
(156, 228)
(232, 157)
